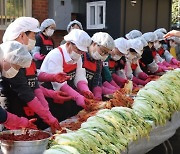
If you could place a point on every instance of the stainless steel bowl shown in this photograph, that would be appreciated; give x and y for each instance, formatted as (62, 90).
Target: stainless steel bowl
(23, 147)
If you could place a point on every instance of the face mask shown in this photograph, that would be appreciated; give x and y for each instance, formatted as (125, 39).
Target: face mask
(116, 57)
(49, 32)
(95, 55)
(10, 73)
(74, 56)
(130, 56)
(31, 44)
(157, 45)
(172, 44)
(104, 58)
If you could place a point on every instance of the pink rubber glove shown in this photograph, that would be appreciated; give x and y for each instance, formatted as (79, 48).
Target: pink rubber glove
(165, 63)
(163, 67)
(97, 91)
(74, 94)
(159, 70)
(142, 76)
(175, 61)
(138, 81)
(39, 94)
(15, 122)
(43, 113)
(114, 84)
(109, 86)
(82, 86)
(46, 77)
(106, 90)
(58, 96)
(39, 56)
(119, 80)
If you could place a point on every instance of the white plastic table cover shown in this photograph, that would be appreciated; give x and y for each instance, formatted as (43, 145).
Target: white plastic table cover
(158, 135)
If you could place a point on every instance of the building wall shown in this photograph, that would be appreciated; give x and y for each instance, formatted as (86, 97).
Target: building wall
(112, 16)
(122, 17)
(146, 15)
(40, 12)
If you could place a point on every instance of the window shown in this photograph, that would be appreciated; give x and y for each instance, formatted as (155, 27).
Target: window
(96, 15)
(11, 9)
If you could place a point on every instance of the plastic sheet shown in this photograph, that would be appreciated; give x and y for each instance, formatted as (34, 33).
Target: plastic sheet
(158, 135)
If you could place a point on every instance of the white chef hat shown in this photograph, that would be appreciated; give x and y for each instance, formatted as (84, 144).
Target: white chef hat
(46, 23)
(160, 35)
(80, 38)
(175, 39)
(16, 53)
(103, 39)
(162, 30)
(150, 36)
(137, 45)
(144, 42)
(21, 24)
(74, 22)
(133, 34)
(122, 44)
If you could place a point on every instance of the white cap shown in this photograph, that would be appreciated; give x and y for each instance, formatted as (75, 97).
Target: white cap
(137, 45)
(160, 35)
(16, 53)
(144, 42)
(150, 36)
(104, 39)
(133, 34)
(122, 44)
(162, 30)
(175, 39)
(80, 38)
(74, 22)
(46, 23)
(21, 24)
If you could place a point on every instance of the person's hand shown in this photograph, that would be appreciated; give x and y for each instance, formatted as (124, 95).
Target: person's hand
(148, 80)
(39, 56)
(80, 101)
(97, 91)
(31, 124)
(178, 64)
(172, 33)
(61, 77)
(61, 97)
(88, 94)
(15, 122)
(142, 76)
(55, 126)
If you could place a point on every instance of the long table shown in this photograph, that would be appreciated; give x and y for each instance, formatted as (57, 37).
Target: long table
(158, 135)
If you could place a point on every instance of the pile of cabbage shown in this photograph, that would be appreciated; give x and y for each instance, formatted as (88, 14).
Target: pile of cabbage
(158, 100)
(111, 130)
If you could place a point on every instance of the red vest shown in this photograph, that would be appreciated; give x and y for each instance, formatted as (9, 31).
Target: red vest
(154, 53)
(32, 78)
(46, 42)
(133, 66)
(70, 69)
(112, 64)
(161, 51)
(31, 70)
(90, 67)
